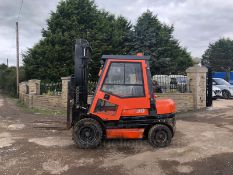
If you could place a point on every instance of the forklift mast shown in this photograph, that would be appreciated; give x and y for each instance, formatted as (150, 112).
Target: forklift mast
(82, 56)
(78, 86)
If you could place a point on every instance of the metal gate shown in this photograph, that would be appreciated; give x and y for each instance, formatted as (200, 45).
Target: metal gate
(209, 88)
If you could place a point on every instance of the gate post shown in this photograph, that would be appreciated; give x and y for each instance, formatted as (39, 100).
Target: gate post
(34, 86)
(197, 76)
(64, 94)
(209, 88)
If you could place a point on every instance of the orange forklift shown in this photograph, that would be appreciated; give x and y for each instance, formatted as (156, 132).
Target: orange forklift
(123, 106)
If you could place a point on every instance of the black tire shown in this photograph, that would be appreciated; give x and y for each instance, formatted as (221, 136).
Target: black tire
(214, 98)
(159, 136)
(87, 133)
(226, 94)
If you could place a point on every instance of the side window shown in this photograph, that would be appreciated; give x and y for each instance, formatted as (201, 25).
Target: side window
(124, 80)
(214, 82)
(133, 73)
(105, 107)
(115, 74)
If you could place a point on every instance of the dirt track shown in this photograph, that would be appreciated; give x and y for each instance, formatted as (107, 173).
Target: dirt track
(37, 144)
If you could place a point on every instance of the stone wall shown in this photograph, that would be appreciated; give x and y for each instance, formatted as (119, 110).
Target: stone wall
(29, 93)
(194, 100)
(24, 98)
(46, 101)
(184, 101)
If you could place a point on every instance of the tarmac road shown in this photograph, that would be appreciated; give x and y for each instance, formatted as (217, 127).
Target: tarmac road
(34, 144)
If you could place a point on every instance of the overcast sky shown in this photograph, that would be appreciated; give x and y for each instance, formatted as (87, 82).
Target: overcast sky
(196, 22)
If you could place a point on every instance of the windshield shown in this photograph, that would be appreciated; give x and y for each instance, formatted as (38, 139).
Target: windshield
(221, 82)
(181, 79)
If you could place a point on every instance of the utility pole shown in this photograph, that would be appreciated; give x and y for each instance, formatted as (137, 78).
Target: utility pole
(17, 57)
(7, 62)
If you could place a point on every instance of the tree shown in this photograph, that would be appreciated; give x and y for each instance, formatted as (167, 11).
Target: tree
(53, 56)
(153, 38)
(219, 55)
(8, 79)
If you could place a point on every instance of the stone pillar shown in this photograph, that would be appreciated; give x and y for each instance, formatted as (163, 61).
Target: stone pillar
(34, 87)
(64, 94)
(30, 101)
(197, 78)
(22, 89)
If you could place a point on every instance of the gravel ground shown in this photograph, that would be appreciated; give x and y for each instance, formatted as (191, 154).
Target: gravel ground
(39, 145)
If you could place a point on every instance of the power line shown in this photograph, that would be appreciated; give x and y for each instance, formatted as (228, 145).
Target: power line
(20, 10)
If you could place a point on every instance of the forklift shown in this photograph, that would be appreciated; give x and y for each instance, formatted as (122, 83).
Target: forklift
(123, 106)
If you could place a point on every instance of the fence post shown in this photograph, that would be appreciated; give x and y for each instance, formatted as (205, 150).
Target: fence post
(197, 77)
(64, 94)
(209, 100)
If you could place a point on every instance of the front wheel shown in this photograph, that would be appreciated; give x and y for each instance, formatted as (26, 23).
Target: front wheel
(87, 133)
(159, 135)
(226, 94)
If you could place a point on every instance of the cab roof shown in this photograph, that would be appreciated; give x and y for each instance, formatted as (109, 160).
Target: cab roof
(125, 57)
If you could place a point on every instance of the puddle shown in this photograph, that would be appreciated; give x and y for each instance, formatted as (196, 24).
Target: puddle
(84, 162)
(16, 126)
(52, 141)
(54, 167)
(184, 169)
(5, 140)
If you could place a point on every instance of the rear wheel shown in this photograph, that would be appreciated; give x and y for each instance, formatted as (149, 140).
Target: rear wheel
(87, 133)
(226, 94)
(214, 98)
(159, 135)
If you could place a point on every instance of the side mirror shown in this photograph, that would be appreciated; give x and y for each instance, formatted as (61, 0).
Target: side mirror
(213, 83)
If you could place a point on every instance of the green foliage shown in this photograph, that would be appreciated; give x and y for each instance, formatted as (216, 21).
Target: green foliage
(50, 88)
(153, 38)
(52, 57)
(8, 79)
(219, 55)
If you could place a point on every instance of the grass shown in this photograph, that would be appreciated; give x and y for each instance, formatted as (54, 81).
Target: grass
(40, 111)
